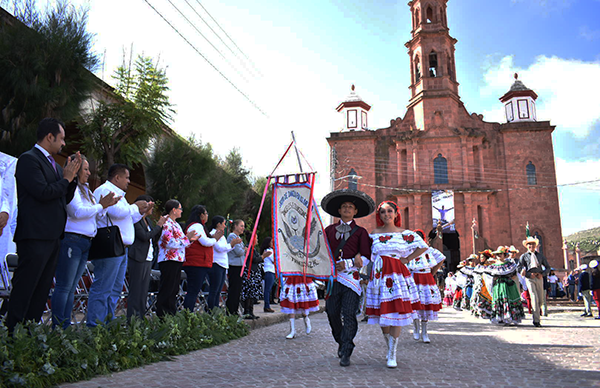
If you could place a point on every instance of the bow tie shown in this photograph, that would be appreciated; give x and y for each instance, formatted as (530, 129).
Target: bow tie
(342, 230)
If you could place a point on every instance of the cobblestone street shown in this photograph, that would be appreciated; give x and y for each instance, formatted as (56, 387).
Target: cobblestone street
(464, 352)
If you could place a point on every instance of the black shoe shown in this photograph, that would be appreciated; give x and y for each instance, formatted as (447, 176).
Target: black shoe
(537, 324)
(584, 315)
(345, 360)
(340, 351)
(598, 317)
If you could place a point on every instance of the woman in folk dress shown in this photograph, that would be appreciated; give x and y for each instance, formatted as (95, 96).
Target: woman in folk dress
(422, 269)
(392, 296)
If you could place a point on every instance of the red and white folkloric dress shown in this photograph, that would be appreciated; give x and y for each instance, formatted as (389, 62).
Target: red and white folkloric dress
(429, 292)
(298, 296)
(392, 296)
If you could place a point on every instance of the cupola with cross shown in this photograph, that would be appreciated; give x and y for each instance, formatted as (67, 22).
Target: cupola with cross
(519, 102)
(354, 112)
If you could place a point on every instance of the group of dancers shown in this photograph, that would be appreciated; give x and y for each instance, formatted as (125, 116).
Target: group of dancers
(488, 286)
(401, 290)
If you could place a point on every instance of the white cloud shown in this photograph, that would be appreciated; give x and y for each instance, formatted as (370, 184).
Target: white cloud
(568, 172)
(563, 99)
(583, 225)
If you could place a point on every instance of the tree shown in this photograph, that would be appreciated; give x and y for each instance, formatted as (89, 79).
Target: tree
(45, 70)
(121, 130)
(180, 169)
(190, 172)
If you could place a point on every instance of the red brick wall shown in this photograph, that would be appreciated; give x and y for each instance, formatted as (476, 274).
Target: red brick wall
(489, 181)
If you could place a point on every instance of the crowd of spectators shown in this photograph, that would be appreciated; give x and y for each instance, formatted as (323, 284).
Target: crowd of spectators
(58, 218)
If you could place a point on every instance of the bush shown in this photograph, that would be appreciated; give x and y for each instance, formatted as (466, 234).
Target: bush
(39, 356)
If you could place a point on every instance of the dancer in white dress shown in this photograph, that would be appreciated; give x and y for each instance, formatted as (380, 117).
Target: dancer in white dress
(392, 296)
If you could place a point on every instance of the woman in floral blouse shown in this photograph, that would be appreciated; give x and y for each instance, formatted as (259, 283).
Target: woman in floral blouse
(171, 255)
(392, 296)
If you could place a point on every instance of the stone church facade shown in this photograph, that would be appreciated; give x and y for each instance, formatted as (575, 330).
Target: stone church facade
(502, 174)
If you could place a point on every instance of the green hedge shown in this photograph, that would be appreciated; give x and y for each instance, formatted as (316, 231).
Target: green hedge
(38, 356)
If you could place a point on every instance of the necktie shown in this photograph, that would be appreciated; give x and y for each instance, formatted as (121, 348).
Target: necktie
(534, 261)
(51, 159)
(342, 230)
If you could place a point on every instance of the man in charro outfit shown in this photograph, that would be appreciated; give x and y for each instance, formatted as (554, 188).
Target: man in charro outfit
(355, 244)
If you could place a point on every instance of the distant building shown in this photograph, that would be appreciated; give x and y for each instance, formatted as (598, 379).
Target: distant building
(502, 175)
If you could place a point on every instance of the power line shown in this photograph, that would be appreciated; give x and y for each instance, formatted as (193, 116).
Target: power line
(209, 42)
(429, 173)
(227, 35)
(206, 59)
(509, 189)
(385, 163)
(221, 39)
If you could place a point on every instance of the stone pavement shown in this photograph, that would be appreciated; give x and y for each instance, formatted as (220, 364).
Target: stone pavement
(464, 352)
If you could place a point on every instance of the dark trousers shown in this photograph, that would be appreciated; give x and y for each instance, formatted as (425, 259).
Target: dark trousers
(341, 310)
(234, 289)
(195, 280)
(170, 277)
(216, 278)
(32, 280)
(139, 282)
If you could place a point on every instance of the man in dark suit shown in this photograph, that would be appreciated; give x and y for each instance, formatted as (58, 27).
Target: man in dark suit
(43, 191)
(142, 253)
(351, 247)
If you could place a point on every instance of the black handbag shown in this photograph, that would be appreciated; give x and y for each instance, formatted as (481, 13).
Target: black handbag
(107, 243)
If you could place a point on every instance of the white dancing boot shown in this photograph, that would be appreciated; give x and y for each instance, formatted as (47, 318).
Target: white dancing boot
(424, 332)
(307, 324)
(416, 331)
(386, 338)
(393, 345)
(293, 327)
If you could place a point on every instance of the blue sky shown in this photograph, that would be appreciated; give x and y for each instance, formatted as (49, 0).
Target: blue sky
(310, 52)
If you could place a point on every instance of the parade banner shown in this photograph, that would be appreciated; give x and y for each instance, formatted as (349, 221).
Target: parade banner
(442, 209)
(290, 208)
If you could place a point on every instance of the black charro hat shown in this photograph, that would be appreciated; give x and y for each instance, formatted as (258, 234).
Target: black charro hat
(334, 200)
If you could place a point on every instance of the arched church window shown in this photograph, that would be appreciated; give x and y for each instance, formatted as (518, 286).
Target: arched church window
(352, 181)
(429, 14)
(417, 69)
(540, 246)
(531, 175)
(440, 170)
(433, 64)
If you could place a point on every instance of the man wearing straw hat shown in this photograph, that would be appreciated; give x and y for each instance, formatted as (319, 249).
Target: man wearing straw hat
(351, 248)
(534, 266)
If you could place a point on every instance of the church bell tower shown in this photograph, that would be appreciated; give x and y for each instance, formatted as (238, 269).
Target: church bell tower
(432, 65)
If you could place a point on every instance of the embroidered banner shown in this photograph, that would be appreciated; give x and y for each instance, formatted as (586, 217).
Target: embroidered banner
(442, 209)
(290, 207)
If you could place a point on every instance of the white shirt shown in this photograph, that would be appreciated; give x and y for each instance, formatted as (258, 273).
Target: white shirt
(220, 250)
(122, 214)
(150, 255)
(82, 213)
(8, 196)
(204, 240)
(269, 263)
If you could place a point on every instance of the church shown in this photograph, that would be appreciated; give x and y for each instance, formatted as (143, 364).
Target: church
(482, 183)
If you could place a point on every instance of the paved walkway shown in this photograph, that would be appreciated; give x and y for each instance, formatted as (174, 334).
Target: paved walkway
(464, 352)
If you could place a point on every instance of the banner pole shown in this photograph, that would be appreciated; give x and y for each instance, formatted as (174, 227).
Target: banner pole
(297, 154)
